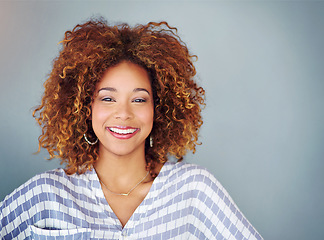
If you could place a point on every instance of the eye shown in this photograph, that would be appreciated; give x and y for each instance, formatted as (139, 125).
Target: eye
(139, 100)
(107, 99)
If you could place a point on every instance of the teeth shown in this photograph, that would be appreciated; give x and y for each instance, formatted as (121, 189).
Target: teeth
(122, 131)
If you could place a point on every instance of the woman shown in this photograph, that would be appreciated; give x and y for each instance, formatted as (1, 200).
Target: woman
(118, 102)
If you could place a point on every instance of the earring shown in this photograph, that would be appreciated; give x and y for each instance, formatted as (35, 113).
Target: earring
(151, 141)
(91, 143)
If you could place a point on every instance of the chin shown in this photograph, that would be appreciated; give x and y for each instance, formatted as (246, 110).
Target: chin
(123, 150)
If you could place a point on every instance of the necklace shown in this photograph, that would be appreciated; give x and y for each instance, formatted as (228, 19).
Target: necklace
(125, 194)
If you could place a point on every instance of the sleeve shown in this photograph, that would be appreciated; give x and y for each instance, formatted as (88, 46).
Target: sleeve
(219, 217)
(13, 217)
(40, 209)
(21, 208)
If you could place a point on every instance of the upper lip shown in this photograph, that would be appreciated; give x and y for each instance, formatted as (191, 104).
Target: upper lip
(122, 129)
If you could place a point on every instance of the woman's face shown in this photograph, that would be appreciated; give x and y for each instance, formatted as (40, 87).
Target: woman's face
(123, 109)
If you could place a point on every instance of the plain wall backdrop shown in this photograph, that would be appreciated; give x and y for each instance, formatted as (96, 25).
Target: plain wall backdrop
(261, 63)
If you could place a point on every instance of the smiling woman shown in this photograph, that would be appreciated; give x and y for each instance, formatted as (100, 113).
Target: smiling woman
(117, 103)
(122, 110)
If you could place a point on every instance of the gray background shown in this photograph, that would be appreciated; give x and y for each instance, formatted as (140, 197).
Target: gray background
(261, 63)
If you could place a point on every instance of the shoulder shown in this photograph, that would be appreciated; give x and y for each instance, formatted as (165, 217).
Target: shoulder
(45, 179)
(192, 178)
(190, 173)
(196, 182)
(41, 188)
(38, 180)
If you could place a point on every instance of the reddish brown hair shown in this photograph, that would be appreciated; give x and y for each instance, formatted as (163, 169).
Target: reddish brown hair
(88, 51)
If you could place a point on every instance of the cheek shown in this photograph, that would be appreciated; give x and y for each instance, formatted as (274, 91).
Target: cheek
(98, 115)
(147, 116)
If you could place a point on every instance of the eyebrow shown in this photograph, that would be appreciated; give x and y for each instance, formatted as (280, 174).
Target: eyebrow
(141, 89)
(115, 90)
(108, 89)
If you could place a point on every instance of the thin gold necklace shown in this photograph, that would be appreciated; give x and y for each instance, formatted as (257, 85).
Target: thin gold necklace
(125, 194)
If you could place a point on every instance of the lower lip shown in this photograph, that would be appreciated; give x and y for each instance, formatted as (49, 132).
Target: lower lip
(122, 136)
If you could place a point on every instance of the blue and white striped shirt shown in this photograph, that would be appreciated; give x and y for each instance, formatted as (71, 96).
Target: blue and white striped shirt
(184, 202)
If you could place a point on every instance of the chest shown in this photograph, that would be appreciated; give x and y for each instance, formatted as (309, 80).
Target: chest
(125, 206)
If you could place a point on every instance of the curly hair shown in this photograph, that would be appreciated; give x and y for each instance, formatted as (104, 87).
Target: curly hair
(88, 51)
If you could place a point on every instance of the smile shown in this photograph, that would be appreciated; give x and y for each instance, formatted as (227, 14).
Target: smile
(123, 131)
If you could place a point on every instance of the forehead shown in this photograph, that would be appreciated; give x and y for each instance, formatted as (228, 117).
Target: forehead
(125, 75)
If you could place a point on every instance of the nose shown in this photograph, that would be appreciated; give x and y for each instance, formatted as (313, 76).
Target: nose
(123, 111)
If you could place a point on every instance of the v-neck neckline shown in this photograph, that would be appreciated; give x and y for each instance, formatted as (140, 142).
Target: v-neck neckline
(102, 201)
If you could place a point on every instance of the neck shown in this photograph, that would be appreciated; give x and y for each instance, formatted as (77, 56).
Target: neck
(121, 172)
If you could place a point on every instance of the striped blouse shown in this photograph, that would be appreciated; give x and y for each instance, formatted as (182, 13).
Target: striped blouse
(184, 202)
